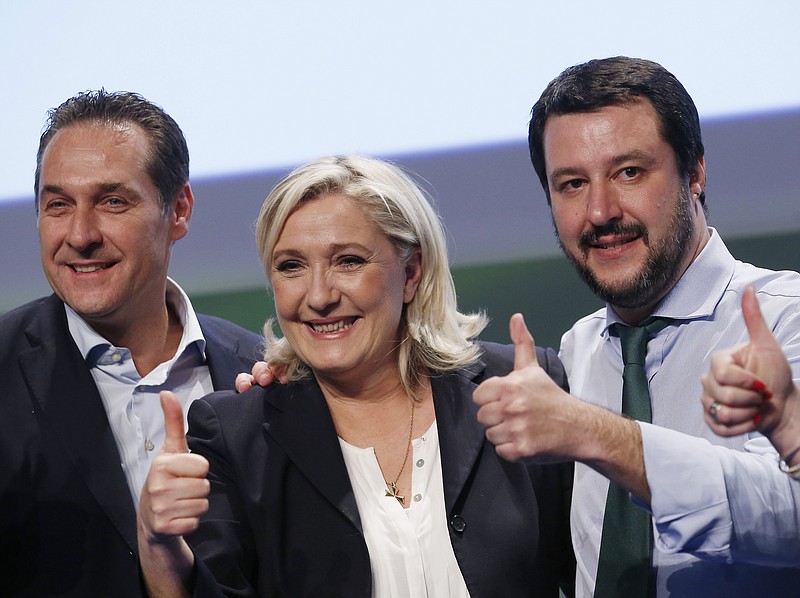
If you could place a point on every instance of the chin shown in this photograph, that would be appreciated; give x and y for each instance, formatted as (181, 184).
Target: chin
(92, 311)
(327, 364)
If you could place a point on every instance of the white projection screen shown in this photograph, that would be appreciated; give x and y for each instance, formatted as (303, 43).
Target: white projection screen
(443, 88)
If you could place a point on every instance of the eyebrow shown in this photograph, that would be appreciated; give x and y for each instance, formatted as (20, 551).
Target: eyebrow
(335, 248)
(635, 156)
(98, 189)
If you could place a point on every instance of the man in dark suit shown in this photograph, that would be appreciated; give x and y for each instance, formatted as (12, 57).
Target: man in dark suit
(81, 370)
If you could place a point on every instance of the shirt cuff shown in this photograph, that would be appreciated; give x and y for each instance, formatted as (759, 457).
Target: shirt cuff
(688, 502)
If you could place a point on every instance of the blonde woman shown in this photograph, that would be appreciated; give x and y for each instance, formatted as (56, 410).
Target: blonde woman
(367, 474)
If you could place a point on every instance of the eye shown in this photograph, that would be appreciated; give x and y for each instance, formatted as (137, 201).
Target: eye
(115, 202)
(55, 204)
(288, 267)
(630, 172)
(571, 185)
(352, 262)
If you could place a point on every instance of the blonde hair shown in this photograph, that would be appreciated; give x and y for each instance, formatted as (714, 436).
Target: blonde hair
(435, 335)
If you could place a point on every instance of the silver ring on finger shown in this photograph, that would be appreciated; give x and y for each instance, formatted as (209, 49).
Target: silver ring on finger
(714, 410)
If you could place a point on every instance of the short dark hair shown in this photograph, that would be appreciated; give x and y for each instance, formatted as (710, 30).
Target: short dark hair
(617, 81)
(167, 164)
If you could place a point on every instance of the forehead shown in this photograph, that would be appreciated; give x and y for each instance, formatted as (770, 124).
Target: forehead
(583, 137)
(85, 147)
(331, 218)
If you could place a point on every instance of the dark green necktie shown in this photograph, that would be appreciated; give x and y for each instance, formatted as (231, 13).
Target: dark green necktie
(624, 569)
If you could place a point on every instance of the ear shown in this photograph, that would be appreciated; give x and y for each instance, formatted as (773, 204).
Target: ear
(181, 212)
(413, 275)
(697, 179)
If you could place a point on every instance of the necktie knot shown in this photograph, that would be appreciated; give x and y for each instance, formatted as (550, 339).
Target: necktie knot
(634, 339)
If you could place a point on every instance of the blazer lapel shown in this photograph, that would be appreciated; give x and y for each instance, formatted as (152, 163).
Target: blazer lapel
(461, 437)
(64, 390)
(302, 425)
(222, 354)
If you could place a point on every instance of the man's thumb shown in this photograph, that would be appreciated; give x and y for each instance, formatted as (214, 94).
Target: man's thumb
(524, 347)
(175, 438)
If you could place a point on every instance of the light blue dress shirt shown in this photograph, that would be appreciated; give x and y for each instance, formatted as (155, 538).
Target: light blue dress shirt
(714, 500)
(131, 401)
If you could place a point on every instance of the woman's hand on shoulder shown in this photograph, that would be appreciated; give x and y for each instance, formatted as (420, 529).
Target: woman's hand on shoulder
(262, 375)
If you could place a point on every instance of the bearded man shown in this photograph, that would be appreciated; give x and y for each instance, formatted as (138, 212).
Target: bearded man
(661, 505)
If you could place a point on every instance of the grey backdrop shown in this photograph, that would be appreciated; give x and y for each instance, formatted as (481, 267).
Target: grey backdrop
(489, 197)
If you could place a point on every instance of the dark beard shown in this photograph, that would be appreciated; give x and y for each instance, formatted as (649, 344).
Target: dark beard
(662, 267)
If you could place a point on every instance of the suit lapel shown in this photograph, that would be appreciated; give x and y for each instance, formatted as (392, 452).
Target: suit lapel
(461, 437)
(222, 354)
(302, 425)
(64, 390)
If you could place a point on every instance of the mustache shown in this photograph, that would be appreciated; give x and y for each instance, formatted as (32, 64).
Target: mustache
(592, 237)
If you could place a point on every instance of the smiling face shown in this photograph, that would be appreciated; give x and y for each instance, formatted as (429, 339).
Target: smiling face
(105, 242)
(340, 289)
(623, 214)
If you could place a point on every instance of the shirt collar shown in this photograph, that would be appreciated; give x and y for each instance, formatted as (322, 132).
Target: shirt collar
(87, 339)
(699, 290)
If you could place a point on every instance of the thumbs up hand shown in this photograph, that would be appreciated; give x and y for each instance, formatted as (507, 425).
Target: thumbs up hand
(175, 493)
(526, 414)
(750, 387)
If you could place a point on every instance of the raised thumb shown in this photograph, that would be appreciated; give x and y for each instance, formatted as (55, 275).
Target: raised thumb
(175, 438)
(524, 347)
(758, 330)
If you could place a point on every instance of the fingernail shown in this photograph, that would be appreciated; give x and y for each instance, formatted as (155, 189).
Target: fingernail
(759, 386)
(757, 419)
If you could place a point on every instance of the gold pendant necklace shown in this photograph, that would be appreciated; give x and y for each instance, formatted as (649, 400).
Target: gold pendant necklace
(391, 487)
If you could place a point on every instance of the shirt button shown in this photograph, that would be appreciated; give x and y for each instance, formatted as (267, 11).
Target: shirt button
(149, 445)
(420, 462)
(417, 497)
(116, 357)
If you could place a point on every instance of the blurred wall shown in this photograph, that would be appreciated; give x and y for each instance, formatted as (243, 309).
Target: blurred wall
(501, 242)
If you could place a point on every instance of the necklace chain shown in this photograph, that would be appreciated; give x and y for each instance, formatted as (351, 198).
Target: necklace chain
(391, 487)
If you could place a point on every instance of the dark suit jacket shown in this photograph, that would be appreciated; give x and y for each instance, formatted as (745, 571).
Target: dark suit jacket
(67, 521)
(283, 519)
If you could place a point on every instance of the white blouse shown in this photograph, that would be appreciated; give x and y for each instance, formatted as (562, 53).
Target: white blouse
(409, 549)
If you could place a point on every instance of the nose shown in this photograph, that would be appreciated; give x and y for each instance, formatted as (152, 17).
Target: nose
(604, 205)
(322, 291)
(83, 233)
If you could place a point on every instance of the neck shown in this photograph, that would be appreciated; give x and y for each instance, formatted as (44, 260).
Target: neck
(368, 419)
(379, 386)
(152, 339)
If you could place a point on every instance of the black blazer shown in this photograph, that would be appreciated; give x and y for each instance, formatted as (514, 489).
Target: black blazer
(67, 521)
(283, 519)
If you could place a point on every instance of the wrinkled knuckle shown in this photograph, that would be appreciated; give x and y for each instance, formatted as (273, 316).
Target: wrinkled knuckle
(158, 488)
(159, 510)
(517, 407)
